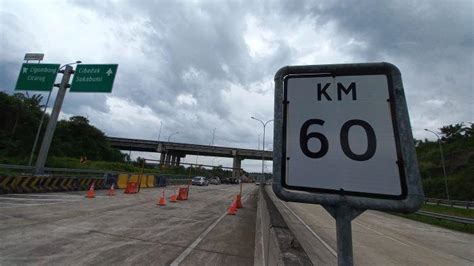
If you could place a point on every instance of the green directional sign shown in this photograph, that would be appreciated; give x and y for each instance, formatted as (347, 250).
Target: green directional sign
(94, 78)
(37, 77)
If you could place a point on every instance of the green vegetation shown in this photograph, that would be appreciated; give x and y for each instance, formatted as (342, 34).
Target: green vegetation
(467, 213)
(457, 142)
(466, 228)
(20, 115)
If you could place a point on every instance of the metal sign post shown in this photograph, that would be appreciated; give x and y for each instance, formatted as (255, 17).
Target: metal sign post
(48, 135)
(343, 140)
(344, 214)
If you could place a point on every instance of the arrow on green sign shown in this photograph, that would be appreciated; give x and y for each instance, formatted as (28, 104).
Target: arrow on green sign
(36, 77)
(94, 78)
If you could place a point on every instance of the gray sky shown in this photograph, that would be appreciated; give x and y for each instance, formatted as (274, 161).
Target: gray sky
(200, 65)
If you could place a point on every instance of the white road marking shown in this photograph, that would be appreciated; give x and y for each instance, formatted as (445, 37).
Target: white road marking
(382, 234)
(333, 252)
(28, 199)
(16, 205)
(47, 196)
(196, 242)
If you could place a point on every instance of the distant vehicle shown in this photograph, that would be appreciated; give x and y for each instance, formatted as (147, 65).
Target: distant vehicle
(257, 183)
(200, 181)
(215, 181)
(229, 180)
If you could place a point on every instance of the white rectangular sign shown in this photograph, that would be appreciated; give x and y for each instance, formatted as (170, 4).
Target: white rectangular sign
(34, 56)
(343, 134)
(340, 135)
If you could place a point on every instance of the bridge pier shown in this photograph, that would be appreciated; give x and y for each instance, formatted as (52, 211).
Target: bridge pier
(236, 165)
(168, 158)
(162, 158)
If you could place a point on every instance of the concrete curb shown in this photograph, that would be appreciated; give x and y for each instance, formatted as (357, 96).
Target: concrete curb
(275, 244)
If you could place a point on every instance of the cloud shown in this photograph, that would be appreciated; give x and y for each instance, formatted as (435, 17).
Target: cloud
(200, 65)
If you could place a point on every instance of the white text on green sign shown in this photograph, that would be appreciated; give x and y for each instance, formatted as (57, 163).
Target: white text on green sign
(37, 77)
(94, 78)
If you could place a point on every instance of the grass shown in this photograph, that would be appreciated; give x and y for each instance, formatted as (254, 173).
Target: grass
(467, 213)
(466, 228)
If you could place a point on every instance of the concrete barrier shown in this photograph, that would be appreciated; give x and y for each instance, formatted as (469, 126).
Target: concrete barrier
(122, 181)
(150, 181)
(143, 181)
(275, 244)
(32, 184)
(111, 179)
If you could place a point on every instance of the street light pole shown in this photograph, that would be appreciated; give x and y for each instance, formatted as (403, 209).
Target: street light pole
(258, 142)
(213, 135)
(442, 162)
(169, 137)
(30, 161)
(159, 133)
(264, 124)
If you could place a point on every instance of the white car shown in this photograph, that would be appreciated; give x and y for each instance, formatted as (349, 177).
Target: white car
(200, 181)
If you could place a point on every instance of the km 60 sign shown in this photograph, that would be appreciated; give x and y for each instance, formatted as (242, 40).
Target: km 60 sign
(343, 133)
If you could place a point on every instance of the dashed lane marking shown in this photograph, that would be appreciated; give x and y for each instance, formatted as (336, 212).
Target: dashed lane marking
(196, 242)
(382, 234)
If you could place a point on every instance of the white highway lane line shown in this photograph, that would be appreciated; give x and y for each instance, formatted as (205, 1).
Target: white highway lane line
(333, 252)
(47, 195)
(16, 205)
(196, 242)
(38, 200)
(382, 234)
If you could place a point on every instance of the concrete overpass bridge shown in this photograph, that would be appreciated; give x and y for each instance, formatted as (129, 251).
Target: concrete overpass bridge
(172, 152)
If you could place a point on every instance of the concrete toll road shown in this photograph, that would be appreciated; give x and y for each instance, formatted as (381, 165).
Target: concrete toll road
(378, 238)
(69, 229)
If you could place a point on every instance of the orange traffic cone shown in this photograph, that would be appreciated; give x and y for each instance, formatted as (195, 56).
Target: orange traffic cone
(233, 208)
(91, 192)
(173, 197)
(162, 201)
(238, 202)
(111, 191)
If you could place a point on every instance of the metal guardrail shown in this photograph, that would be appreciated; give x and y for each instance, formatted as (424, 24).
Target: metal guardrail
(447, 217)
(452, 203)
(54, 170)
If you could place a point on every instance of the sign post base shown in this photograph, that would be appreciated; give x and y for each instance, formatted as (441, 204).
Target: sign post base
(344, 214)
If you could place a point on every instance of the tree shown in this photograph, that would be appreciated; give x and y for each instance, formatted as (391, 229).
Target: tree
(20, 115)
(451, 132)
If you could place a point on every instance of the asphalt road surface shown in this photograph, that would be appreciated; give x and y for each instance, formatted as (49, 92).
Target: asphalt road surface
(378, 238)
(68, 229)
